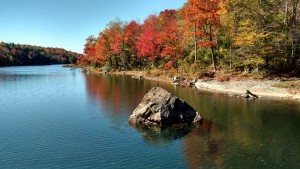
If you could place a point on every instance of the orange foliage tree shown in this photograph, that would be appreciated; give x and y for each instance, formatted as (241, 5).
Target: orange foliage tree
(170, 38)
(104, 47)
(89, 51)
(204, 16)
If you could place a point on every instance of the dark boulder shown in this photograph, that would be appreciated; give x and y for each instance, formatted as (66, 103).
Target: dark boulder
(159, 107)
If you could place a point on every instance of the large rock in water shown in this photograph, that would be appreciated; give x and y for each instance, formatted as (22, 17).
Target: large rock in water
(159, 107)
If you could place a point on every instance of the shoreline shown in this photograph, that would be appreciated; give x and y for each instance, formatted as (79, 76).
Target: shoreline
(262, 88)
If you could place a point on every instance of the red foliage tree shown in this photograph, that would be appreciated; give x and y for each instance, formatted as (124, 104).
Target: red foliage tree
(148, 44)
(132, 33)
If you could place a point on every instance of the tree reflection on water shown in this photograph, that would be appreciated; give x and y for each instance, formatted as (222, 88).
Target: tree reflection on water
(235, 133)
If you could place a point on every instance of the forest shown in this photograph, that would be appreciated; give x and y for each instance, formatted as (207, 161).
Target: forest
(204, 35)
(22, 55)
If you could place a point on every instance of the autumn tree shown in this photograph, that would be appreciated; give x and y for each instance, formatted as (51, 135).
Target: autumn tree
(244, 35)
(227, 31)
(132, 32)
(170, 38)
(148, 44)
(104, 47)
(117, 36)
(259, 31)
(89, 50)
(204, 17)
(110, 45)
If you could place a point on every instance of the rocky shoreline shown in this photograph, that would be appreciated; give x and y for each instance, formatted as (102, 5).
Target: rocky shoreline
(261, 88)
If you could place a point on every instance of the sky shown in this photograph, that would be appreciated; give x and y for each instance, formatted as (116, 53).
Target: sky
(67, 23)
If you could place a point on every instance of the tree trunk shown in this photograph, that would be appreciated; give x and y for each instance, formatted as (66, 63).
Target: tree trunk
(176, 64)
(110, 61)
(265, 42)
(294, 34)
(117, 61)
(285, 21)
(195, 42)
(286, 29)
(230, 57)
(212, 51)
(136, 62)
(213, 58)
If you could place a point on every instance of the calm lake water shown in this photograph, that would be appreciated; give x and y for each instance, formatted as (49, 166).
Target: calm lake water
(54, 117)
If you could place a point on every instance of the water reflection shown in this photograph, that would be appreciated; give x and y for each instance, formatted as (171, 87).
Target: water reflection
(235, 133)
(156, 135)
(116, 93)
(204, 146)
(245, 134)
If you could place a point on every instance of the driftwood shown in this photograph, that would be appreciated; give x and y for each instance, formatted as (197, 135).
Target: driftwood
(249, 95)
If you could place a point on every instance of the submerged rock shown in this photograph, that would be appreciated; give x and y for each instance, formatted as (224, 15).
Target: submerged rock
(159, 107)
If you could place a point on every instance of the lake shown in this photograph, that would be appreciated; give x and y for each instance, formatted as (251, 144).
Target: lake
(55, 117)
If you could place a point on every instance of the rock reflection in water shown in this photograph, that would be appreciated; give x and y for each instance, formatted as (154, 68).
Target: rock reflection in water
(156, 135)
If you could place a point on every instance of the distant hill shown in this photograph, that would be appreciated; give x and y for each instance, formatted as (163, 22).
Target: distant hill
(17, 55)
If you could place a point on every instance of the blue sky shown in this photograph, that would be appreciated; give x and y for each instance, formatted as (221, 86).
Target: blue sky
(67, 23)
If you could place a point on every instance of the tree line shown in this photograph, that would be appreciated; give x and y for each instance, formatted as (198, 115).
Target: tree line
(16, 55)
(248, 35)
